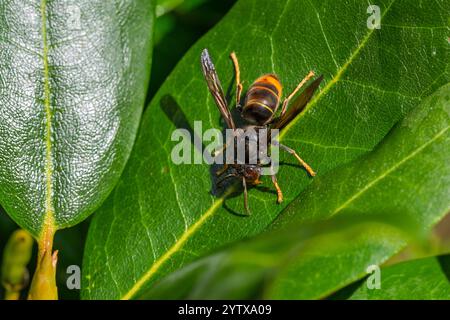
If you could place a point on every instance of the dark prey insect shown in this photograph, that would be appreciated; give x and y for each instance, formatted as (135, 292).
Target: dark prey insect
(261, 102)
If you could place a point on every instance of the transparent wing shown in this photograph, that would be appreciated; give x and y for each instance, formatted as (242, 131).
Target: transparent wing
(298, 105)
(212, 79)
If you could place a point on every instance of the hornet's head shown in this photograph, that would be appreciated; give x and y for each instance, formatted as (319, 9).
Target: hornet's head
(251, 173)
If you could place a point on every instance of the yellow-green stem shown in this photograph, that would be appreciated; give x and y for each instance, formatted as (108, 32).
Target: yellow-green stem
(43, 286)
(16, 256)
(12, 295)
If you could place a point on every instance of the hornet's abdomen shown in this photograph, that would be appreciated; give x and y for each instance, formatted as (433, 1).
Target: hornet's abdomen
(262, 99)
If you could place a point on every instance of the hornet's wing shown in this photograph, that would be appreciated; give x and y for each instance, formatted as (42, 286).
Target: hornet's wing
(212, 79)
(298, 105)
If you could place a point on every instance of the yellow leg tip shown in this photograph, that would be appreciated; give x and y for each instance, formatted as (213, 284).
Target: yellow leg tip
(279, 198)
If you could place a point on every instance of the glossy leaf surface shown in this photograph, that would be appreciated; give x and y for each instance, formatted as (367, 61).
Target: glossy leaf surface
(73, 79)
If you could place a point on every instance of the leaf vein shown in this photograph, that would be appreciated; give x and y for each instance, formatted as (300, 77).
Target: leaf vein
(49, 214)
(336, 77)
(389, 171)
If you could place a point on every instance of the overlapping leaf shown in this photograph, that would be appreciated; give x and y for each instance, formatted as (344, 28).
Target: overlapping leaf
(247, 270)
(423, 279)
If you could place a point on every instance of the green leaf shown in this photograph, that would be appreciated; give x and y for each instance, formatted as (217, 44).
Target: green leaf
(247, 269)
(161, 216)
(386, 185)
(73, 78)
(423, 279)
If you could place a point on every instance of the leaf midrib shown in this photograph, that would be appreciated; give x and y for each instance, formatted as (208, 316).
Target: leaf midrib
(48, 221)
(191, 230)
(336, 78)
(389, 171)
(178, 244)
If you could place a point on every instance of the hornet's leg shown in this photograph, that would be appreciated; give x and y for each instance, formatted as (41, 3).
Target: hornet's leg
(257, 182)
(303, 163)
(215, 153)
(237, 72)
(279, 193)
(289, 97)
(244, 184)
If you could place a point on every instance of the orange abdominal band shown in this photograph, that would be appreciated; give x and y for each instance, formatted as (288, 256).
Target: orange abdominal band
(271, 79)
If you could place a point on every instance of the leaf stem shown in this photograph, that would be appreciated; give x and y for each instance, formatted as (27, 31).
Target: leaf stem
(43, 286)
